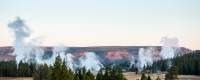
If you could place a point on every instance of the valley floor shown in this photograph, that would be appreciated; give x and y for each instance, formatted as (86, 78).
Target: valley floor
(129, 76)
(132, 76)
(16, 78)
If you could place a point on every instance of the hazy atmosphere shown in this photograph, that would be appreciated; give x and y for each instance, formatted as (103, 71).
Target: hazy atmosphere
(99, 40)
(104, 22)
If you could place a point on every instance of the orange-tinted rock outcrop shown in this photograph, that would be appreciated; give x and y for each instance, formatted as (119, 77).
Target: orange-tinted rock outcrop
(108, 53)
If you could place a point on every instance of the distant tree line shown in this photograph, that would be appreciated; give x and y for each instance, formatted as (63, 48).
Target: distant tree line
(187, 64)
(11, 69)
(110, 73)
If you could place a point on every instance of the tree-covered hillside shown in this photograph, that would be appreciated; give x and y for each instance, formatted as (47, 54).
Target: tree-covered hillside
(188, 64)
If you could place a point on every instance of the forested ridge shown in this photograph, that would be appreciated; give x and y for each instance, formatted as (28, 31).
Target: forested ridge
(189, 64)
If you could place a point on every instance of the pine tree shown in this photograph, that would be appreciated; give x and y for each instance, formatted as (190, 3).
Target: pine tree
(35, 76)
(99, 75)
(136, 70)
(76, 76)
(172, 73)
(80, 74)
(113, 73)
(149, 78)
(106, 74)
(21, 69)
(47, 72)
(64, 72)
(70, 74)
(90, 75)
(158, 78)
(132, 68)
(56, 69)
(143, 77)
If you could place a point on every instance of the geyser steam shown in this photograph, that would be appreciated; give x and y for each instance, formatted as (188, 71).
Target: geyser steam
(21, 31)
(31, 52)
(90, 61)
(169, 48)
(145, 56)
(23, 51)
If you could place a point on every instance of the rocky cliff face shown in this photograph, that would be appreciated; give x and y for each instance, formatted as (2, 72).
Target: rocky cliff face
(117, 53)
(105, 53)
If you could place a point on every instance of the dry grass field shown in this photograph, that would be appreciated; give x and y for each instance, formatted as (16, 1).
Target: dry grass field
(16, 78)
(129, 76)
(132, 76)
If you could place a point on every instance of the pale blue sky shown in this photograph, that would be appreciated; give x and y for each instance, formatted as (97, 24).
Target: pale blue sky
(104, 22)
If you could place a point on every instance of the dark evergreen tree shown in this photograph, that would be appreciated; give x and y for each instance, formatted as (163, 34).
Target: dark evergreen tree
(21, 69)
(56, 69)
(106, 74)
(148, 78)
(158, 78)
(99, 75)
(64, 72)
(143, 77)
(90, 75)
(172, 73)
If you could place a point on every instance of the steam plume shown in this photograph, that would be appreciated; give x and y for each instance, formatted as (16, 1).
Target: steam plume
(70, 62)
(169, 48)
(30, 52)
(23, 51)
(145, 56)
(132, 61)
(90, 61)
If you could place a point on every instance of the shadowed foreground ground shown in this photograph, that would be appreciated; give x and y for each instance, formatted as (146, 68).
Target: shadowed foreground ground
(16, 78)
(129, 76)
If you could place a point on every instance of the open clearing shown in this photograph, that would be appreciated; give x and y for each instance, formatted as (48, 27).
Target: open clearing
(16, 78)
(129, 76)
(132, 76)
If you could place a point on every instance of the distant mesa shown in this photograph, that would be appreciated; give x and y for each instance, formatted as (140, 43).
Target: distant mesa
(105, 53)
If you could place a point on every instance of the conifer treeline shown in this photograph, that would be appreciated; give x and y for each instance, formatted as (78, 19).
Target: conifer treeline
(189, 64)
(11, 69)
(57, 71)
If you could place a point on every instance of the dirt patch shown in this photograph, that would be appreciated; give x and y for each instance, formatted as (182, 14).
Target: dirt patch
(16, 78)
(129, 76)
(138, 76)
(133, 76)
